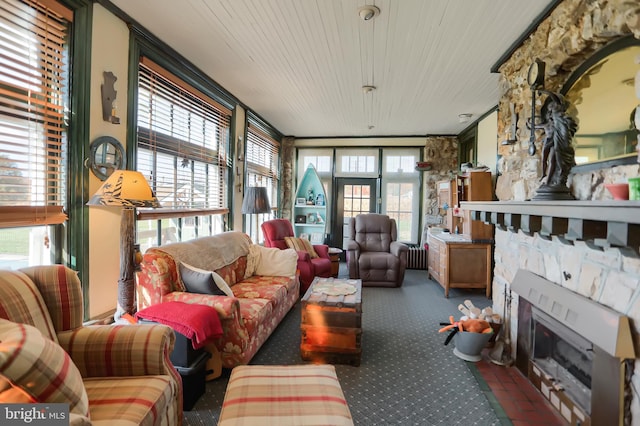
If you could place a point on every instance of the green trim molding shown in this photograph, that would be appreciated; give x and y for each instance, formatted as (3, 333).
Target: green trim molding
(77, 228)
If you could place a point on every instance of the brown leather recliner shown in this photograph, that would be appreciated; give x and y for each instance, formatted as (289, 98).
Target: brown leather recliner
(373, 254)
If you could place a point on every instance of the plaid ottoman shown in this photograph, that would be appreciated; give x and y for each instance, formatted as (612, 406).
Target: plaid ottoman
(293, 395)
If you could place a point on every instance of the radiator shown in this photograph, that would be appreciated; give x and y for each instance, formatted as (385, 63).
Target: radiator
(417, 258)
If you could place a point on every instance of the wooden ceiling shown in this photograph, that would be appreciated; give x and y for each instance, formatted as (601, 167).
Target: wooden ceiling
(301, 64)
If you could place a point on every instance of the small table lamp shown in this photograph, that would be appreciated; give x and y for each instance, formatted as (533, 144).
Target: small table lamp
(256, 201)
(128, 189)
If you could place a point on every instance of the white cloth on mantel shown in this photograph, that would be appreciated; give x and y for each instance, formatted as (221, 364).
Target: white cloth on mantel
(210, 253)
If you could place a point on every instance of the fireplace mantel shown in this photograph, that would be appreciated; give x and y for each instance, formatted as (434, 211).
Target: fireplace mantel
(601, 223)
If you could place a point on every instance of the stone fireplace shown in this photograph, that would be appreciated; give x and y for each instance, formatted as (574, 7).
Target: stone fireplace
(588, 248)
(573, 271)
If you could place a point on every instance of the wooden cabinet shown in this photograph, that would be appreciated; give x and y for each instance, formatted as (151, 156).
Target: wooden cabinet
(457, 262)
(463, 259)
(475, 186)
(434, 258)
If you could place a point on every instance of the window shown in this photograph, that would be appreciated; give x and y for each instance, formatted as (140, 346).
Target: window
(357, 199)
(357, 162)
(263, 169)
(396, 179)
(182, 149)
(400, 190)
(320, 158)
(33, 132)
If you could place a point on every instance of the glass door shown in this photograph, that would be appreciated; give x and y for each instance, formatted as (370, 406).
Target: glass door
(353, 196)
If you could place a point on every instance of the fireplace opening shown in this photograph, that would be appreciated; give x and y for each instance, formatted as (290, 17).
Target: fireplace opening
(564, 358)
(579, 354)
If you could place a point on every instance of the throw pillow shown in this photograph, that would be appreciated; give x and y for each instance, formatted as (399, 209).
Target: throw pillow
(253, 258)
(201, 281)
(301, 244)
(40, 367)
(277, 263)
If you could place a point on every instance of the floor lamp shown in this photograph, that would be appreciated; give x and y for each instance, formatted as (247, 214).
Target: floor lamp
(128, 189)
(256, 201)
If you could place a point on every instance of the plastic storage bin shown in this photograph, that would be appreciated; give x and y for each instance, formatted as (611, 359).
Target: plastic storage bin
(193, 381)
(183, 354)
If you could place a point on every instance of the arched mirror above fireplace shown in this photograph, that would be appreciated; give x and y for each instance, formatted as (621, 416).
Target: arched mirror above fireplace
(602, 92)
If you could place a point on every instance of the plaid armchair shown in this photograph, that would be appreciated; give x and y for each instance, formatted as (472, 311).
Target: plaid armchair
(119, 373)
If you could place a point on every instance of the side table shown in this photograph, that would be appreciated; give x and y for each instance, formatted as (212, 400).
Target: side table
(334, 255)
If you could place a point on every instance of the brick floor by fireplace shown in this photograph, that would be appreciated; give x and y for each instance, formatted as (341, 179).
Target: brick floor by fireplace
(521, 402)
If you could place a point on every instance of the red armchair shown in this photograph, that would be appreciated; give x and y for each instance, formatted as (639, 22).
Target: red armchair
(274, 233)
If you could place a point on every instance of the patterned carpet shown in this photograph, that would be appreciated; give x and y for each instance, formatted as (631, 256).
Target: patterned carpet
(407, 376)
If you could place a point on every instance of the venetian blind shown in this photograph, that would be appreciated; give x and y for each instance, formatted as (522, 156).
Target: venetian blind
(33, 94)
(262, 154)
(183, 139)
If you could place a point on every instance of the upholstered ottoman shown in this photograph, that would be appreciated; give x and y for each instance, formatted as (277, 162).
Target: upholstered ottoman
(293, 395)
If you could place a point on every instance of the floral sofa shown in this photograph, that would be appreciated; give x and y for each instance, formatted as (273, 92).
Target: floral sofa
(261, 297)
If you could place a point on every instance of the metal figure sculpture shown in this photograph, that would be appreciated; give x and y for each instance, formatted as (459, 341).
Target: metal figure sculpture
(558, 155)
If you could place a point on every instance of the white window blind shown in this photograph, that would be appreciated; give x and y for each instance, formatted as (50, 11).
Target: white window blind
(262, 153)
(262, 169)
(33, 94)
(183, 140)
(263, 156)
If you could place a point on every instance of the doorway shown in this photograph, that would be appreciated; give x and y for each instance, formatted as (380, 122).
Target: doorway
(353, 196)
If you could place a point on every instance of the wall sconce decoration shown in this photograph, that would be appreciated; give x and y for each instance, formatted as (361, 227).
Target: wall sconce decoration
(108, 92)
(535, 78)
(513, 128)
(240, 149)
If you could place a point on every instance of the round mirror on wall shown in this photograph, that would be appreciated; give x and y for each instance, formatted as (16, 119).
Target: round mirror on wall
(106, 155)
(603, 95)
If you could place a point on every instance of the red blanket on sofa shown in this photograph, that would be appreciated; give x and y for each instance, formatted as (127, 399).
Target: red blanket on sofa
(200, 323)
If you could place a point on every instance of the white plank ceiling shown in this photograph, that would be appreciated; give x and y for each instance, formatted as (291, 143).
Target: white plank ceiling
(301, 64)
